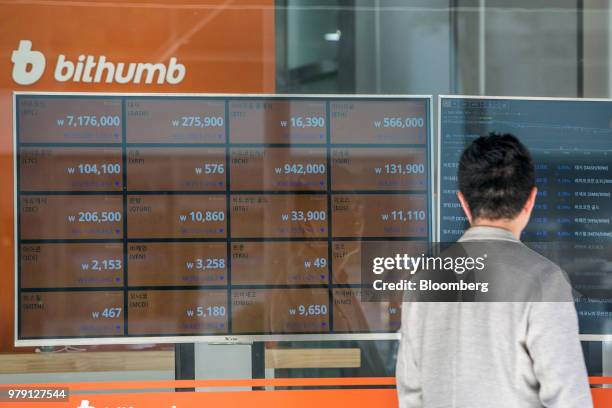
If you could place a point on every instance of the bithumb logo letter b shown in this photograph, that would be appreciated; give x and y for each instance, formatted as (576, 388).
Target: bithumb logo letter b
(85, 404)
(28, 67)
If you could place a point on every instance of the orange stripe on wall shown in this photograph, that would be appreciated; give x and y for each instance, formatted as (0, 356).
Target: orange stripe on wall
(602, 397)
(269, 399)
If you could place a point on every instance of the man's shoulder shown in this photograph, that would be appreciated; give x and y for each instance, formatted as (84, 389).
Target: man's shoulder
(541, 263)
(517, 272)
(553, 282)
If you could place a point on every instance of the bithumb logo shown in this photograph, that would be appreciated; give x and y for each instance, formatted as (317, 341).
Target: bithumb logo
(85, 404)
(29, 66)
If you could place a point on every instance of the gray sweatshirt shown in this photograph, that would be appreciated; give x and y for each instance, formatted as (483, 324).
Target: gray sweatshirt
(497, 354)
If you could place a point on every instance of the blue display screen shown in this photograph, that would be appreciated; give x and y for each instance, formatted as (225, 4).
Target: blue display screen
(571, 144)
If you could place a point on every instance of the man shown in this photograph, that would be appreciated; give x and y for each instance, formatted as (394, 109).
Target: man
(496, 354)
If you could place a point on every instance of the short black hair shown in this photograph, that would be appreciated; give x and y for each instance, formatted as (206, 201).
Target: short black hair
(496, 175)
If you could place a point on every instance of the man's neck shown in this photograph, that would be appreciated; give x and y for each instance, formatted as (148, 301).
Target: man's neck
(508, 225)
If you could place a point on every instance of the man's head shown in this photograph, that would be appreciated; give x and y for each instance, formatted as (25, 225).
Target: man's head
(497, 182)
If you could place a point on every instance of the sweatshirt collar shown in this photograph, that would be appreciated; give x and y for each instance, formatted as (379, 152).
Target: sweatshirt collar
(487, 233)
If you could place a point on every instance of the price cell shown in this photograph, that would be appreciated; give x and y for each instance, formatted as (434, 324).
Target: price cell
(170, 312)
(69, 120)
(300, 169)
(71, 217)
(73, 265)
(177, 263)
(378, 215)
(277, 121)
(378, 169)
(70, 169)
(176, 216)
(378, 122)
(176, 120)
(272, 215)
(280, 311)
(279, 263)
(176, 169)
(73, 314)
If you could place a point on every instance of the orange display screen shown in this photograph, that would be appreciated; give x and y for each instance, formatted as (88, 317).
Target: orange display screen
(150, 216)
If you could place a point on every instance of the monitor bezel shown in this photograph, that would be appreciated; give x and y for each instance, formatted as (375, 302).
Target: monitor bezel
(214, 339)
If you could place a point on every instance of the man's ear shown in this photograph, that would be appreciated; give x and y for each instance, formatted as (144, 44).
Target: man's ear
(465, 206)
(528, 207)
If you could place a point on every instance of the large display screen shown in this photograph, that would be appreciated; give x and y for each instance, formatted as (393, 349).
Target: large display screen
(147, 218)
(571, 143)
